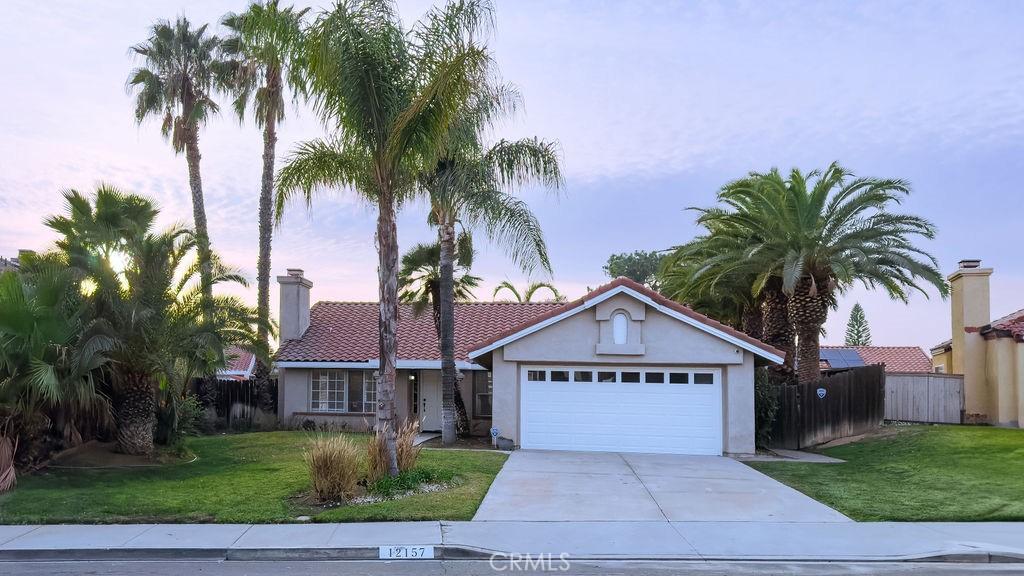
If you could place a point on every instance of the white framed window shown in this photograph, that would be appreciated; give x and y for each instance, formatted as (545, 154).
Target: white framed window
(620, 328)
(483, 393)
(369, 391)
(342, 391)
(940, 369)
(623, 375)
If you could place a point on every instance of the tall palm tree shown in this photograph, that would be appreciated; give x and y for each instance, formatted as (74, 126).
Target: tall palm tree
(816, 234)
(389, 97)
(420, 283)
(175, 83)
(529, 292)
(260, 55)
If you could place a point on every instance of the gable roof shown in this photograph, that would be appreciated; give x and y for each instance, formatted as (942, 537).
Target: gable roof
(632, 288)
(348, 331)
(895, 358)
(1009, 326)
(240, 364)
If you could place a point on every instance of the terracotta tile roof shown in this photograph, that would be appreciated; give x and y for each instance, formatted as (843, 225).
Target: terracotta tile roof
(895, 358)
(347, 331)
(636, 286)
(1011, 325)
(240, 364)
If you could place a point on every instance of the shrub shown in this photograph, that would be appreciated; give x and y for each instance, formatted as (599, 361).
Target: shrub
(405, 447)
(388, 486)
(333, 463)
(376, 458)
(405, 451)
(766, 405)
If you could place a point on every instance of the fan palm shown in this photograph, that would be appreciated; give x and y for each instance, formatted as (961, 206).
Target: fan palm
(389, 97)
(260, 55)
(175, 83)
(420, 283)
(816, 234)
(529, 292)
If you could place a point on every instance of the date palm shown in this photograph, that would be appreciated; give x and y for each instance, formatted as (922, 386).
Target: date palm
(389, 98)
(420, 283)
(260, 59)
(175, 83)
(531, 290)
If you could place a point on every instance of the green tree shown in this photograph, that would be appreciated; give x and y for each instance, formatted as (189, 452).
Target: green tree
(175, 83)
(640, 266)
(260, 57)
(858, 333)
(389, 97)
(529, 292)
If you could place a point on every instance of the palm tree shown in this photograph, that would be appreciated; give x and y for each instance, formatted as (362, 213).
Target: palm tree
(260, 55)
(420, 283)
(814, 235)
(179, 72)
(531, 290)
(389, 97)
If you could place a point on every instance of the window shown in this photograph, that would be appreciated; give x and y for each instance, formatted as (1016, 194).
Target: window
(703, 378)
(678, 378)
(631, 377)
(940, 369)
(606, 376)
(583, 376)
(559, 375)
(654, 377)
(620, 327)
(483, 392)
(352, 391)
(536, 375)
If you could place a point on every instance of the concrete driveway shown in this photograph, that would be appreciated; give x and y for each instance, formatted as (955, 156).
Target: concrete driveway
(607, 486)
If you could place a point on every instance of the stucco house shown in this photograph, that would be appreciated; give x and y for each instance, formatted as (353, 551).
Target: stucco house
(988, 353)
(621, 369)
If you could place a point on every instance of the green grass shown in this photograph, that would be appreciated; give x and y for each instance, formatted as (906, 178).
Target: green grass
(922, 473)
(257, 477)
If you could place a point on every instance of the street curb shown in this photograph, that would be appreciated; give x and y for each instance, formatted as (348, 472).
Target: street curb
(441, 553)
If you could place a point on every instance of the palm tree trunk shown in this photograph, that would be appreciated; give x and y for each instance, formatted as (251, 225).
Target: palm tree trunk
(753, 321)
(777, 330)
(807, 313)
(262, 372)
(195, 183)
(446, 236)
(135, 414)
(387, 252)
(462, 426)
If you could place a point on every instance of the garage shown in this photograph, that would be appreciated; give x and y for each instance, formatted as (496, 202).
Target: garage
(675, 410)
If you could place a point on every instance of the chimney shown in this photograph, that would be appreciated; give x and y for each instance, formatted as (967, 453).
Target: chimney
(294, 311)
(969, 297)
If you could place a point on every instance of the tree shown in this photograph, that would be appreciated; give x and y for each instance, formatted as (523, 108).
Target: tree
(858, 333)
(179, 72)
(260, 57)
(531, 290)
(389, 97)
(640, 266)
(814, 235)
(420, 283)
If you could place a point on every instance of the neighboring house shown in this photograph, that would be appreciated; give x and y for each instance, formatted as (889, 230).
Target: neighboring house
(8, 264)
(897, 359)
(988, 353)
(240, 365)
(621, 369)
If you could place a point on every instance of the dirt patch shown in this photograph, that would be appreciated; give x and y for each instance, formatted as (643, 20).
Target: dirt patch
(98, 455)
(470, 443)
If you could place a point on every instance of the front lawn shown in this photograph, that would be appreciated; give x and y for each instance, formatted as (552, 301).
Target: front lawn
(921, 473)
(257, 477)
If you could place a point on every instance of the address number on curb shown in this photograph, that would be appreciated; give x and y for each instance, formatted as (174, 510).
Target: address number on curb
(406, 552)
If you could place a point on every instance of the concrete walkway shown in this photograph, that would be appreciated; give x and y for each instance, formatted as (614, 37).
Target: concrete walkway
(605, 486)
(794, 541)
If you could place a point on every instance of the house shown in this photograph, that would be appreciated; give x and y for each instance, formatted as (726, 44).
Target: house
(239, 365)
(988, 353)
(621, 369)
(897, 359)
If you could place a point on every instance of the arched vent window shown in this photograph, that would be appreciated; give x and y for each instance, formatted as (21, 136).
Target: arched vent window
(620, 325)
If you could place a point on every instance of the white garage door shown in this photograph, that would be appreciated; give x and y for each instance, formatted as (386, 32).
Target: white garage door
(600, 408)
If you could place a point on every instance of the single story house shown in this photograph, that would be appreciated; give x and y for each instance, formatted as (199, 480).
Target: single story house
(988, 353)
(897, 359)
(621, 369)
(239, 365)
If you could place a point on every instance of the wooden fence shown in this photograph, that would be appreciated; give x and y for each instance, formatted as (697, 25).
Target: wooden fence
(921, 397)
(836, 406)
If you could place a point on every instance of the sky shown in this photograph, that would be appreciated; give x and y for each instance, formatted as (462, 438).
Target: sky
(654, 105)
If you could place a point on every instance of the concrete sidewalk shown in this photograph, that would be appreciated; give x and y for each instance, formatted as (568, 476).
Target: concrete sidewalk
(791, 541)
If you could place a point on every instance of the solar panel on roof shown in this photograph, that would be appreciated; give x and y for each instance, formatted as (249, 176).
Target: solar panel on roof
(841, 358)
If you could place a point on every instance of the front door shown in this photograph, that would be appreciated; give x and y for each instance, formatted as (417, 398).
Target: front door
(430, 401)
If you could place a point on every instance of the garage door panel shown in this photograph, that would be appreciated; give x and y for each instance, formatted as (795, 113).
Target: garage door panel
(624, 417)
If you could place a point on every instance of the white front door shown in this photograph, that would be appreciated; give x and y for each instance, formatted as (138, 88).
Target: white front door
(430, 400)
(621, 409)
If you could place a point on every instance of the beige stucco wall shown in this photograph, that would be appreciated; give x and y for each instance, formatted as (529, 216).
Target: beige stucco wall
(666, 340)
(293, 401)
(1004, 381)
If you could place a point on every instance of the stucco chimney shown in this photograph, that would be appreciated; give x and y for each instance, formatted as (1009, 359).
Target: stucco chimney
(294, 311)
(969, 297)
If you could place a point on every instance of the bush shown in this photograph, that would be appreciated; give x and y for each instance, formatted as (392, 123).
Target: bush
(766, 405)
(333, 463)
(376, 458)
(405, 450)
(388, 486)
